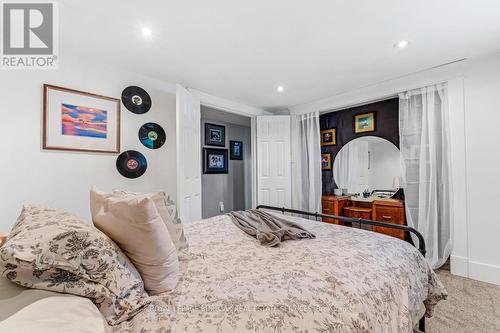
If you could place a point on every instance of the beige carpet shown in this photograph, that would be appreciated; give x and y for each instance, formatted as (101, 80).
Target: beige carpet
(471, 307)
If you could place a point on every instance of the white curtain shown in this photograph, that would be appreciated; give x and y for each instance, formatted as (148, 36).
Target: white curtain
(350, 170)
(306, 162)
(424, 143)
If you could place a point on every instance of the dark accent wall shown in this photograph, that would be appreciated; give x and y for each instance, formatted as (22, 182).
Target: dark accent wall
(386, 126)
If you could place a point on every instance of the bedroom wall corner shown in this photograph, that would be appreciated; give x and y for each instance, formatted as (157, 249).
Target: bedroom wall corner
(62, 179)
(482, 104)
(460, 254)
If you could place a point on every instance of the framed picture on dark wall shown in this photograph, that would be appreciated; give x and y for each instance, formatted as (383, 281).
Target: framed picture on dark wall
(236, 150)
(79, 121)
(326, 161)
(329, 137)
(215, 161)
(364, 122)
(215, 135)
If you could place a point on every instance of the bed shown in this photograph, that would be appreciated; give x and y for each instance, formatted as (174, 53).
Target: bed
(344, 280)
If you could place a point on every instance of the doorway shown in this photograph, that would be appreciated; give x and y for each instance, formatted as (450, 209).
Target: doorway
(226, 180)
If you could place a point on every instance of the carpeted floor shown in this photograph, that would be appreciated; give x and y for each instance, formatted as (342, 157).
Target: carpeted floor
(472, 307)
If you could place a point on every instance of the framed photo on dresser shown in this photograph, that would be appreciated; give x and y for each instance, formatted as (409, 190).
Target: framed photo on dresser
(80, 121)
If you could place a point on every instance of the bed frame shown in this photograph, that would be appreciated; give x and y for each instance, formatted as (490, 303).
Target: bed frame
(410, 230)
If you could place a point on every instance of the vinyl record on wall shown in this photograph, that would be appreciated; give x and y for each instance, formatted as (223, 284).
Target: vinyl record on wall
(136, 99)
(131, 164)
(152, 135)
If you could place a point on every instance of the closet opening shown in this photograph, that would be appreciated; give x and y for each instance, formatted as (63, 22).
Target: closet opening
(226, 159)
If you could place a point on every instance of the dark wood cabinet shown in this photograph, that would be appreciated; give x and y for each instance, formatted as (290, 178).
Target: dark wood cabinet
(333, 205)
(390, 211)
(383, 210)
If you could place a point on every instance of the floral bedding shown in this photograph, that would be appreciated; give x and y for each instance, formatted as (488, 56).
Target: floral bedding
(345, 280)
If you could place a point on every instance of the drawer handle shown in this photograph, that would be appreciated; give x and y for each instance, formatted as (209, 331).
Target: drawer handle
(386, 217)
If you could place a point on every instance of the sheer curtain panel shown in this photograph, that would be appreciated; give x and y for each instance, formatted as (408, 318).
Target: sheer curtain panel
(425, 161)
(306, 162)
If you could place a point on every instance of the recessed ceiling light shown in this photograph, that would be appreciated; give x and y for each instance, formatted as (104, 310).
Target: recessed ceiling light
(280, 89)
(147, 32)
(401, 44)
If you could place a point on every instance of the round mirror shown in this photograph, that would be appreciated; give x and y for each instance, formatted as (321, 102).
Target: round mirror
(367, 163)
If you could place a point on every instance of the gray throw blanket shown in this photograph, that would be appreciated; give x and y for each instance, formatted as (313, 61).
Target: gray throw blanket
(269, 230)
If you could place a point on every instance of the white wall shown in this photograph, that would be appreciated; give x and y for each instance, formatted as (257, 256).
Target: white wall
(482, 109)
(62, 179)
(474, 99)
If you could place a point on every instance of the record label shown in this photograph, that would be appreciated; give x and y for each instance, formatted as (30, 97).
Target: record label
(152, 135)
(136, 99)
(131, 164)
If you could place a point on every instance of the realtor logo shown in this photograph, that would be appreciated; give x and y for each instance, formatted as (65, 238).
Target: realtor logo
(29, 35)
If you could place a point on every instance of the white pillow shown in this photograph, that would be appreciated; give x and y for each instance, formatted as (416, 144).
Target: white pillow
(57, 314)
(168, 212)
(134, 223)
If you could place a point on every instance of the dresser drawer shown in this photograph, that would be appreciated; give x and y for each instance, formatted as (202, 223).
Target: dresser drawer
(359, 213)
(394, 215)
(327, 208)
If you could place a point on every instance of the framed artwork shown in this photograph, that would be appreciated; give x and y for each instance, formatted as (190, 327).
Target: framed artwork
(215, 135)
(236, 152)
(326, 161)
(364, 122)
(79, 121)
(214, 160)
(329, 137)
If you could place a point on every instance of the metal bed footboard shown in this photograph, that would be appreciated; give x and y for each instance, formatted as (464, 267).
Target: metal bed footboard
(421, 241)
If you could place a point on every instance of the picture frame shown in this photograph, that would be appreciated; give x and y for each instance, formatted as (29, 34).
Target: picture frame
(80, 121)
(215, 161)
(236, 150)
(364, 122)
(215, 135)
(326, 161)
(329, 137)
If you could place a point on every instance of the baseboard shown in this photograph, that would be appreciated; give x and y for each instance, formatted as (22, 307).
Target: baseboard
(459, 266)
(484, 272)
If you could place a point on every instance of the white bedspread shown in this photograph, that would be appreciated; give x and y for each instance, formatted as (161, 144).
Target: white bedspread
(345, 280)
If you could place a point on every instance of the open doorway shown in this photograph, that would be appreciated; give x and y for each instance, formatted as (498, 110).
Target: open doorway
(226, 162)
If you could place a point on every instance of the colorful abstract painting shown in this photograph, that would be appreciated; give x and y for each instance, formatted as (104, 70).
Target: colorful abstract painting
(84, 121)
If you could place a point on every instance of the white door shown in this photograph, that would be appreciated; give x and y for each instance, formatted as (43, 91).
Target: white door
(273, 161)
(188, 127)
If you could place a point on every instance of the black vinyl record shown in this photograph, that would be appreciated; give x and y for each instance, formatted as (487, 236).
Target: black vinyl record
(136, 99)
(131, 164)
(152, 135)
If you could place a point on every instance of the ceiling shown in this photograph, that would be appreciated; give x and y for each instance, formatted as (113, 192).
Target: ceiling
(242, 50)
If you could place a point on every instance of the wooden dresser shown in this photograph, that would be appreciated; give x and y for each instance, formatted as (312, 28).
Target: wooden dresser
(383, 210)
